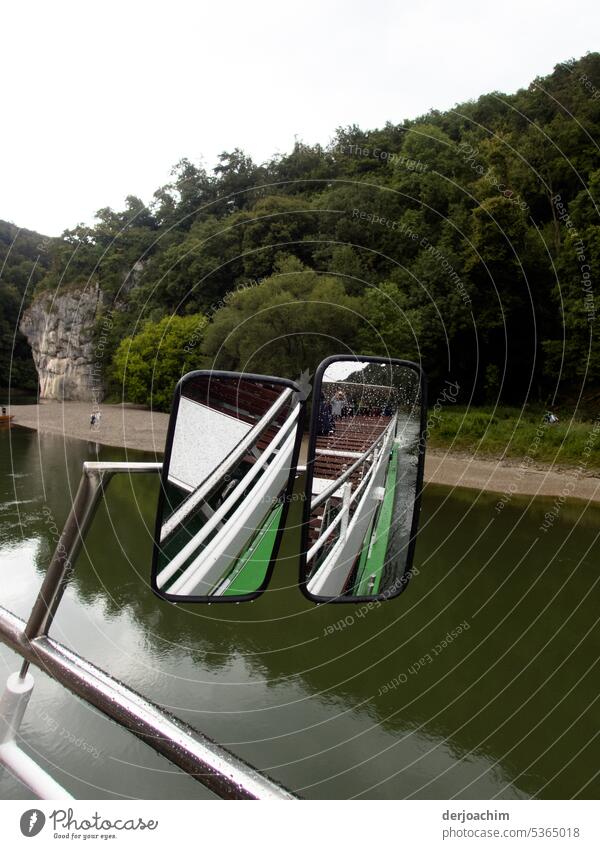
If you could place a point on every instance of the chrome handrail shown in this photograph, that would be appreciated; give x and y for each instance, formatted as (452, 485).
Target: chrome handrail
(96, 476)
(216, 768)
(205, 761)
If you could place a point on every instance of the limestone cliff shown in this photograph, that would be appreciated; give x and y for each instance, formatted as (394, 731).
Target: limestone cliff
(59, 329)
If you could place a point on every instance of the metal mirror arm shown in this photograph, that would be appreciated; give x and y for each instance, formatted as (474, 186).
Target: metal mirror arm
(95, 478)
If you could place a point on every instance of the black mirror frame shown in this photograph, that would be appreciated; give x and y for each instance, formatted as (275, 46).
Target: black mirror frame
(281, 381)
(302, 582)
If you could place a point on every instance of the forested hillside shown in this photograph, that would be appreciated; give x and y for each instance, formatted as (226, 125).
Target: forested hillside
(466, 239)
(23, 263)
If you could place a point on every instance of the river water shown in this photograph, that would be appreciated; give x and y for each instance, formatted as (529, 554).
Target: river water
(480, 681)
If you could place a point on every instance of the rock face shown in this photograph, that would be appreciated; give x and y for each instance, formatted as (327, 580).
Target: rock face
(59, 330)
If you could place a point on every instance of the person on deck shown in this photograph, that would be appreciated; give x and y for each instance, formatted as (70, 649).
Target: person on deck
(326, 423)
(337, 405)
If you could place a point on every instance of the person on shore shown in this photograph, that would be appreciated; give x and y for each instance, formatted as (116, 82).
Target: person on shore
(92, 421)
(3, 411)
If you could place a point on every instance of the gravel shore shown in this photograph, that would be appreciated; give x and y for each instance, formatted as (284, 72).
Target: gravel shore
(123, 425)
(128, 426)
(508, 477)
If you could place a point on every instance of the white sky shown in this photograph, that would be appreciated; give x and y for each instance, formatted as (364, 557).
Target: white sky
(339, 371)
(101, 99)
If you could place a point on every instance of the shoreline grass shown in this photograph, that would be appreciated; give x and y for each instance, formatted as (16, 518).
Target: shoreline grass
(519, 434)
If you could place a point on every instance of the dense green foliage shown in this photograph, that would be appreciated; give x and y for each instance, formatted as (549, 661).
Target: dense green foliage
(286, 320)
(468, 240)
(22, 265)
(147, 366)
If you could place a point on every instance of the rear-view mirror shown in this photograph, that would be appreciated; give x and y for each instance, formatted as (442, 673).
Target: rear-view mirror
(364, 476)
(229, 465)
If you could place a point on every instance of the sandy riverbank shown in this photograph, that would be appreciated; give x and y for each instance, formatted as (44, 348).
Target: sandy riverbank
(131, 427)
(504, 476)
(123, 425)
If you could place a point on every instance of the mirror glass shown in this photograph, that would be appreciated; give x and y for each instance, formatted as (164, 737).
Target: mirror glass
(364, 471)
(229, 459)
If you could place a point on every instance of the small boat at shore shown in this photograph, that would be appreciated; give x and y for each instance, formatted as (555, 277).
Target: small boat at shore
(6, 420)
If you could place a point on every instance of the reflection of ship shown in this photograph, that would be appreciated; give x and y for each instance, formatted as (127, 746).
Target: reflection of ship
(224, 507)
(363, 493)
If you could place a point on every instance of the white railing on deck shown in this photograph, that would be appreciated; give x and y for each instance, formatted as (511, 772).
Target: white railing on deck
(236, 523)
(230, 461)
(328, 567)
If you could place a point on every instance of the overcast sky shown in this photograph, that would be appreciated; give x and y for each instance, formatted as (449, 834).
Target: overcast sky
(101, 99)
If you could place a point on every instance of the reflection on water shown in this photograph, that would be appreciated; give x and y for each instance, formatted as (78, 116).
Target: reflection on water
(477, 682)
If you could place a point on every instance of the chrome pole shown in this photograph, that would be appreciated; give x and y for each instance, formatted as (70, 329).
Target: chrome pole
(204, 760)
(94, 480)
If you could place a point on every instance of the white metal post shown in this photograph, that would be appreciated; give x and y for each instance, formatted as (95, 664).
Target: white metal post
(13, 704)
(346, 493)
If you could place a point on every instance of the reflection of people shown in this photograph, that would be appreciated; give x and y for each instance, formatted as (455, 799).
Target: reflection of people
(337, 405)
(326, 423)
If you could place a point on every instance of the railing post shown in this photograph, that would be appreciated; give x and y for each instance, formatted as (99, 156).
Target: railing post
(13, 704)
(346, 493)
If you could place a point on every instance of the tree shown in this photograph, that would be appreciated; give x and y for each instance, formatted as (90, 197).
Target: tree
(24, 258)
(146, 367)
(284, 325)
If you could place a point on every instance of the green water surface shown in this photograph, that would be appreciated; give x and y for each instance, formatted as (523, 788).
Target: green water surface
(480, 681)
